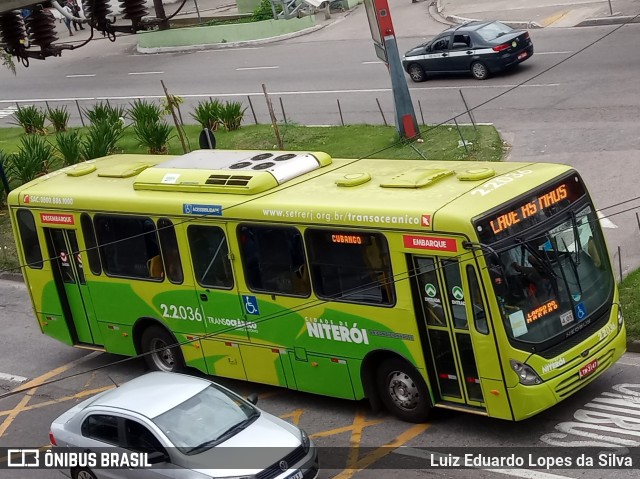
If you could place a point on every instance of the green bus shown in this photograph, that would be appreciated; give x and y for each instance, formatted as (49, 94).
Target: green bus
(478, 287)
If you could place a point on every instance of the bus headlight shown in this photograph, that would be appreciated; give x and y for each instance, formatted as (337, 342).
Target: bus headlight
(304, 439)
(620, 318)
(526, 374)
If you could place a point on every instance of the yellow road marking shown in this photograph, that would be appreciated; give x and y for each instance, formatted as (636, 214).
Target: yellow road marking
(342, 429)
(382, 451)
(34, 383)
(359, 423)
(80, 395)
(295, 416)
(553, 18)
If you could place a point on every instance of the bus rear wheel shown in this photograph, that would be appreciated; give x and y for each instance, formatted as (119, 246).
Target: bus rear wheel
(403, 391)
(158, 357)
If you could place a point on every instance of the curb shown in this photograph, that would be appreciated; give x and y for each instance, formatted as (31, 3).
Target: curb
(438, 15)
(17, 277)
(592, 22)
(633, 346)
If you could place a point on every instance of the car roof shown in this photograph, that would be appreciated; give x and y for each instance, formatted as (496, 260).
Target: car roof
(153, 393)
(468, 26)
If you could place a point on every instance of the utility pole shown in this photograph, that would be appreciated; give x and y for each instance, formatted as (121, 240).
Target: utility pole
(164, 24)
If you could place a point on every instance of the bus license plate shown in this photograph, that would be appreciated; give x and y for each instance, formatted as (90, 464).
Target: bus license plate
(522, 55)
(297, 475)
(589, 368)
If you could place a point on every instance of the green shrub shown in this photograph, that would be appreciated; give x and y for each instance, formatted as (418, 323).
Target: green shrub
(31, 119)
(32, 160)
(69, 147)
(105, 113)
(154, 135)
(101, 140)
(207, 113)
(264, 11)
(231, 115)
(142, 110)
(59, 118)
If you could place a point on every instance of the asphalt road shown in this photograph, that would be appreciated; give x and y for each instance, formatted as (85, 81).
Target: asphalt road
(355, 442)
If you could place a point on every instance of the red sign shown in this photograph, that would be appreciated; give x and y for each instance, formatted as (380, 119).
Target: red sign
(430, 242)
(426, 220)
(588, 368)
(56, 219)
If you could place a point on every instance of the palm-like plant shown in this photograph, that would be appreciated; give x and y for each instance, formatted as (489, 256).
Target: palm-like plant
(154, 135)
(207, 113)
(105, 113)
(231, 115)
(69, 147)
(101, 140)
(59, 118)
(32, 160)
(142, 110)
(31, 119)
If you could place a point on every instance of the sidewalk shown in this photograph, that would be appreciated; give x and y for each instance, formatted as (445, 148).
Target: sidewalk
(540, 13)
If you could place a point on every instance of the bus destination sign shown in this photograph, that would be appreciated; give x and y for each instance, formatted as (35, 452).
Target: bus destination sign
(538, 207)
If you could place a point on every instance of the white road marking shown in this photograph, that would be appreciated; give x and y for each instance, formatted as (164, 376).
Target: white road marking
(81, 76)
(606, 222)
(524, 473)
(145, 73)
(257, 68)
(283, 93)
(12, 378)
(8, 111)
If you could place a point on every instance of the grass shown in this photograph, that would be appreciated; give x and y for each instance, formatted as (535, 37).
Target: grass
(630, 300)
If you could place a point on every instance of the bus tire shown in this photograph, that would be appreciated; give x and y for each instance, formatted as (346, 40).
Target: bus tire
(153, 340)
(82, 473)
(403, 391)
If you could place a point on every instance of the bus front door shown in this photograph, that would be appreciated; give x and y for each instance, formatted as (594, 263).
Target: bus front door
(70, 281)
(447, 341)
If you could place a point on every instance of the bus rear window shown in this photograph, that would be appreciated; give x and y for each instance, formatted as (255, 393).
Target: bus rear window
(350, 266)
(29, 239)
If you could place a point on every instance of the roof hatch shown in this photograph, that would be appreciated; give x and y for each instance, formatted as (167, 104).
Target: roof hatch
(416, 178)
(229, 171)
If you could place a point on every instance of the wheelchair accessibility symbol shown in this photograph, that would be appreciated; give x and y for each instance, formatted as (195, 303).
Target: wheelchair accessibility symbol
(581, 311)
(250, 304)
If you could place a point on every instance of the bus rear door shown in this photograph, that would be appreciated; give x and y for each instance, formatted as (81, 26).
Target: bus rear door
(67, 267)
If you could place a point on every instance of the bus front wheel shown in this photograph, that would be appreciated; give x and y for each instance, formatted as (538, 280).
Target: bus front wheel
(157, 355)
(403, 391)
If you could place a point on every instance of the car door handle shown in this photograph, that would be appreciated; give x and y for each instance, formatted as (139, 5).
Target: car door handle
(445, 54)
(204, 297)
(469, 52)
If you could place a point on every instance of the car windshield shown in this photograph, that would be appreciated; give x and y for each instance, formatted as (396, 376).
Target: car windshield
(548, 284)
(493, 30)
(208, 418)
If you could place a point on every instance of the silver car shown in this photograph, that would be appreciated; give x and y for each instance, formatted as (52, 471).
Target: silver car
(185, 428)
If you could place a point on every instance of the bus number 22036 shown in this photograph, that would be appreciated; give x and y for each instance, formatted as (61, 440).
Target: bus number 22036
(181, 312)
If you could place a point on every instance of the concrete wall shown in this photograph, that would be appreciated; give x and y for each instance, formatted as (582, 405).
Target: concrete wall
(181, 37)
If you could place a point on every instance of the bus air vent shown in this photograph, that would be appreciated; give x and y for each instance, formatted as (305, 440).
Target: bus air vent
(416, 178)
(125, 170)
(476, 174)
(229, 171)
(81, 169)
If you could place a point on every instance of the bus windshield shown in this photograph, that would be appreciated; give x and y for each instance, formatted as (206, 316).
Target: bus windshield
(549, 283)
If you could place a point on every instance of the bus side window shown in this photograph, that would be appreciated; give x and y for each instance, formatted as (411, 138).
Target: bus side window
(210, 256)
(170, 253)
(29, 239)
(273, 259)
(91, 243)
(479, 314)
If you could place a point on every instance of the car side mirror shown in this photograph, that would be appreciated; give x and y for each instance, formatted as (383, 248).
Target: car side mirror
(156, 457)
(253, 398)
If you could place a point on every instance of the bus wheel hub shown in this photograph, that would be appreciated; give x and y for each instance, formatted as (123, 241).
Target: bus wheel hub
(403, 390)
